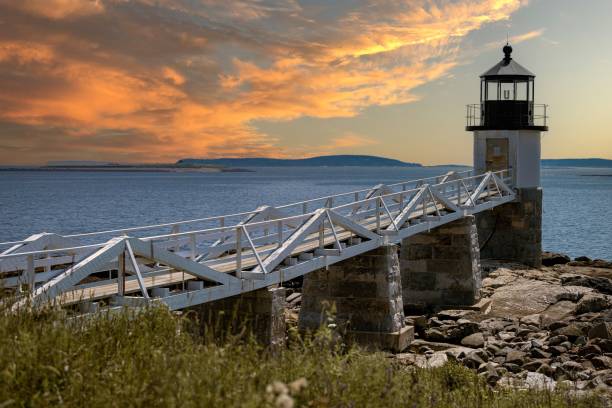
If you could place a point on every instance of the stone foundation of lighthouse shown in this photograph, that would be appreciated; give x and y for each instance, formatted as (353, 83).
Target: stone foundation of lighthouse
(513, 231)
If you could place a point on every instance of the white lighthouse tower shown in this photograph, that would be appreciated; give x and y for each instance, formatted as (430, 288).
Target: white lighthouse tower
(507, 127)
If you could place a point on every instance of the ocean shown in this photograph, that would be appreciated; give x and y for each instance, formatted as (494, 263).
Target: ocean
(576, 217)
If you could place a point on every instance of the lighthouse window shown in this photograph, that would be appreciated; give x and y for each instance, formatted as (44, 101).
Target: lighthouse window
(521, 91)
(507, 90)
(493, 91)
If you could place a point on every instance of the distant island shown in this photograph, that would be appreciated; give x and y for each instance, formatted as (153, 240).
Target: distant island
(576, 163)
(318, 161)
(246, 164)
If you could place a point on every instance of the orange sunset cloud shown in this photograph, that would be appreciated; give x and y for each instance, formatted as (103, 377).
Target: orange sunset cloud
(149, 81)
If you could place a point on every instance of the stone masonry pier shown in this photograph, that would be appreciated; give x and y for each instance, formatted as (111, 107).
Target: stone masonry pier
(513, 231)
(259, 313)
(364, 295)
(442, 267)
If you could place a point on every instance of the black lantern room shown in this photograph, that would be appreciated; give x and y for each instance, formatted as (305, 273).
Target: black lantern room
(507, 99)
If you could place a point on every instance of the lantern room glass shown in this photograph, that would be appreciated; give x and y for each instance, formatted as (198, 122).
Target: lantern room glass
(507, 90)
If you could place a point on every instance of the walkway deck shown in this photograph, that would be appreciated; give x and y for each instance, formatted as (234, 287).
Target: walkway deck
(261, 248)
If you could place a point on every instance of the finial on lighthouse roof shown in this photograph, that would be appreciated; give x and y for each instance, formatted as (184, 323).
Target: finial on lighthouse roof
(507, 51)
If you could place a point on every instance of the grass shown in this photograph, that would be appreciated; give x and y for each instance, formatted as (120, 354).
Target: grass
(156, 358)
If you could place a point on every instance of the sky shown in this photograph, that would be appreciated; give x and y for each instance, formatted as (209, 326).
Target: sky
(161, 80)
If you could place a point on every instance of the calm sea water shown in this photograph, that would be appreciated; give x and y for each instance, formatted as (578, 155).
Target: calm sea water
(577, 201)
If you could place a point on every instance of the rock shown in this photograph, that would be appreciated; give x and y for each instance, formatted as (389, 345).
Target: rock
(473, 360)
(494, 350)
(589, 349)
(558, 311)
(601, 331)
(453, 314)
(492, 326)
(475, 340)
(437, 359)
(592, 303)
(553, 258)
(505, 335)
(583, 259)
(539, 381)
(419, 322)
(546, 370)
(572, 366)
(571, 332)
(557, 350)
(457, 353)
(294, 299)
(537, 353)
(599, 283)
(604, 344)
(435, 335)
(532, 365)
(513, 368)
(601, 362)
(515, 357)
(523, 333)
(489, 371)
(468, 327)
(580, 341)
(532, 319)
(556, 325)
(556, 340)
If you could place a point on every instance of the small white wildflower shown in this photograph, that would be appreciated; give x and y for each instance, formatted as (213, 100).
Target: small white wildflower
(298, 385)
(279, 388)
(284, 401)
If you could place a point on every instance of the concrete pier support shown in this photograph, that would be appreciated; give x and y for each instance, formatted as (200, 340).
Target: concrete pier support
(365, 293)
(259, 313)
(442, 267)
(513, 231)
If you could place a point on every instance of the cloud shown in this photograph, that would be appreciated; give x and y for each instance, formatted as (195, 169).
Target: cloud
(517, 39)
(152, 80)
(58, 9)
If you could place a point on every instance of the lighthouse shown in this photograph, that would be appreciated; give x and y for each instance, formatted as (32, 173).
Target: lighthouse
(507, 126)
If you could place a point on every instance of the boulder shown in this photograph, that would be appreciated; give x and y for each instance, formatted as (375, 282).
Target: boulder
(435, 335)
(453, 314)
(554, 258)
(589, 349)
(602, 362)
(513, 368)
(489, 371)
(557, 350)
(601, 330)
(556, 340)
(571, 332)
(532, 365)
(437, 359)
(539, 381)
(532, 319)
(599, 283)
(515, 357)
(572, 366)
(475, 340)
(592, 303)
(538, 353)
(473, 360)
(546, 369)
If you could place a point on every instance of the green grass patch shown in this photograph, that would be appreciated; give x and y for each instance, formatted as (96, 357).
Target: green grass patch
(156, 358)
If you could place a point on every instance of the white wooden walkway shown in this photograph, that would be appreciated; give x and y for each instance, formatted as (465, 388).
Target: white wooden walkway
(191, 265)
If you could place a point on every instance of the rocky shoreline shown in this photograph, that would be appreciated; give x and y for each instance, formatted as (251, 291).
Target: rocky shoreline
(533, 328)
